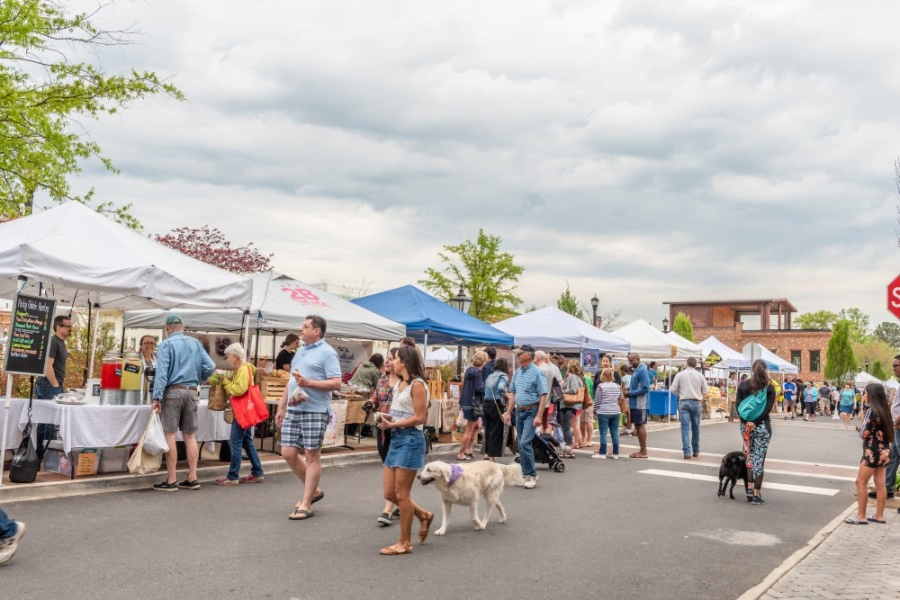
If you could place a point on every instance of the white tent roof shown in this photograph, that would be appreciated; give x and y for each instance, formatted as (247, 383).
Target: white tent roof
(774, 362)
(863, 379)
(649, 342)
(74, 253)
(685, 345)
(280, 303)
(441, 356)
(552, 329)
(731, 358)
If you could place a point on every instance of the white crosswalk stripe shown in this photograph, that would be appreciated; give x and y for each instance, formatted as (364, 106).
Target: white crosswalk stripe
(786, 487)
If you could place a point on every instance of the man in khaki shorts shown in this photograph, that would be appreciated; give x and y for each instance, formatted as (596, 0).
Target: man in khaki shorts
(181, 364)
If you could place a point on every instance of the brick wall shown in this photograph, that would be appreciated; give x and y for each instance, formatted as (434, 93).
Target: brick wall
(781, 342)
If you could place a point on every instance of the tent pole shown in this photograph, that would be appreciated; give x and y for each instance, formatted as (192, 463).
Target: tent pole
(256, 351)
(84, 372)
(93, 342)
(425, 349)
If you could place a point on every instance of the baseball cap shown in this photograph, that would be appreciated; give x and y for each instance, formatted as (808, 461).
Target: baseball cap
(525, 348)
(173, 320)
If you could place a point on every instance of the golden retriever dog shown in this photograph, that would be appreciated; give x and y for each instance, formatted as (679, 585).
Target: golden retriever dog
(465, 484)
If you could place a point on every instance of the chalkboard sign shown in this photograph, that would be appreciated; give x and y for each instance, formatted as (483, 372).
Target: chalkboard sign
(29, 335)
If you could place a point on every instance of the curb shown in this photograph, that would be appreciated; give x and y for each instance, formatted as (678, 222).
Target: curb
(126, 482)
(796, 558)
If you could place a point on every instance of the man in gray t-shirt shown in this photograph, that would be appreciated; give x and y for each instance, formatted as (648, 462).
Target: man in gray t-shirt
(52, 382)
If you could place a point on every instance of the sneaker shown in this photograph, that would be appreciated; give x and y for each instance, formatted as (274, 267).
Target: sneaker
(384, 520)
(598, 455)
(756, 501)
(225, 481)
(253, 479)
(613, 456)
(165, 486)
(395, 514)
(530, 482)
(8, 546)
(189, 485)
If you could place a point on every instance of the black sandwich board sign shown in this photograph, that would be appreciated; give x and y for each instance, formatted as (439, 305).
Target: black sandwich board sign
(29, 335)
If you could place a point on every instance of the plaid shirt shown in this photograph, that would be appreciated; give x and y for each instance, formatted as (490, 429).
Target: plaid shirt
(528, 384)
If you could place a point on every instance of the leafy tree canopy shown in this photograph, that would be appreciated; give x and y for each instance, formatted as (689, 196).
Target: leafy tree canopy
(487, 275)
(840, 363)
(889, 333)
(44, 89)
(568, 303)
(210, 246)
(683, 326)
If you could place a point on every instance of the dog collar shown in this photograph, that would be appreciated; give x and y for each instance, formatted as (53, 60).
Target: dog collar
(455, 472)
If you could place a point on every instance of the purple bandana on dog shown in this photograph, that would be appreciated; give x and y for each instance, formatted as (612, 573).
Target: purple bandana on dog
(455, 472)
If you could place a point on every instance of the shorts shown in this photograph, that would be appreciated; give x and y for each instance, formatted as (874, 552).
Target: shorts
(846, 409)
(639, 416)
(407, 449)
(179, 411)
(468, 413)
(304, 429)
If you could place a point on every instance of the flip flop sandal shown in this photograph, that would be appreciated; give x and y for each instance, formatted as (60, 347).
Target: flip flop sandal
(879, 521)
(396, 549)
(855, 521)
(637, 455)
(318, 497)
(425, 524)
(301, 514)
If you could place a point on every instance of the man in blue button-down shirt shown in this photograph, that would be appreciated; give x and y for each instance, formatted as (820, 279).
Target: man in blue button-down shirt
(181, 365)
(528, 393)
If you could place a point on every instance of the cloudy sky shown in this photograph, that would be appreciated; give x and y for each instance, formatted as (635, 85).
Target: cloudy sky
(642, 151)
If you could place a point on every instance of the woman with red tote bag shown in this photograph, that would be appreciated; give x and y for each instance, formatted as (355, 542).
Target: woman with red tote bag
(249, 410)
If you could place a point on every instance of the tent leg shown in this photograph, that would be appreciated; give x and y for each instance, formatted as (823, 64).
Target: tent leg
(90, 316)
(93, 343)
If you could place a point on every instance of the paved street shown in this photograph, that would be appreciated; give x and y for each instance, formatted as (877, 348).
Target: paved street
(610, 529)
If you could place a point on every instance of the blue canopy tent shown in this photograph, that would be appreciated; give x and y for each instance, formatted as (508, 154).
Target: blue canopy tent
(432, 321)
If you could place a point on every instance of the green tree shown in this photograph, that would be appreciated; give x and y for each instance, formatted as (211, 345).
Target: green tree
(873, 351)
(44, 90)
(859, 323)
(840, 364)
(683, 326)
(889, 333)
(486, 274)
(568, 303)
(879, 371)
(821, 319)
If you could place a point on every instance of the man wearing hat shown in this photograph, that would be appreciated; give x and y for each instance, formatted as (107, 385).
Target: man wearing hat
(181, 364)
(528, 393)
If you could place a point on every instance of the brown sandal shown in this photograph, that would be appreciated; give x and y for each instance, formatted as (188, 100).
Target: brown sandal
(425, 524)
(405, 548)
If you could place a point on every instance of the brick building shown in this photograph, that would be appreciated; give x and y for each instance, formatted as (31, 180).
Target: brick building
(723, 319)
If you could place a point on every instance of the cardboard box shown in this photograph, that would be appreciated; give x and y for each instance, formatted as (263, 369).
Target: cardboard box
(114, 460)
(81, 462)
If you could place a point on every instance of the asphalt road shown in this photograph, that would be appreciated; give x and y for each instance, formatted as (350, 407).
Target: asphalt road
(602, 529)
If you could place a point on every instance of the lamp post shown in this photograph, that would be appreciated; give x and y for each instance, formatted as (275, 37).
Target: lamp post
(462, 303)
(867, 366)
(665, 324)
(595, 302)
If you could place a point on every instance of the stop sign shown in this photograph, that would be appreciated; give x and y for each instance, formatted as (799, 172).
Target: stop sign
(893, 292)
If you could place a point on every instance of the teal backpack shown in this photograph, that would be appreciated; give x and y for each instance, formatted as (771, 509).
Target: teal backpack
(753, 405)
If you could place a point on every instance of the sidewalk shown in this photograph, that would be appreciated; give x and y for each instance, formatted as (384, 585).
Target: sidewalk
(842, 562)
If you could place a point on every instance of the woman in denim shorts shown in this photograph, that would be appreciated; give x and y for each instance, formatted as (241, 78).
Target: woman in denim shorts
(409, 409)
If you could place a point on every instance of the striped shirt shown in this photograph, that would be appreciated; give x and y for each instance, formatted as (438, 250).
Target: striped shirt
(528, 384)
(606, 398)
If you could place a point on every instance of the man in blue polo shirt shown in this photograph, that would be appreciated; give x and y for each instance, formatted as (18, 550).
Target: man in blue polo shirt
(528, 392)
(789, 389)
(638, 402)
(315, 370)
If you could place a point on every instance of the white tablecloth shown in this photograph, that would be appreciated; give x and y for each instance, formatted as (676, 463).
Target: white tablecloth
(92, 426)
(17, 408)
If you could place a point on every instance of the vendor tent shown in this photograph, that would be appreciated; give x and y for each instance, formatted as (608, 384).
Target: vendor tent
(685, 345)
(649, 342)
(773, 361)
(863, 379)
(431, 320)
(280, 303)
(557, 331)
(728, 358)
(440, 356)
(73, 253)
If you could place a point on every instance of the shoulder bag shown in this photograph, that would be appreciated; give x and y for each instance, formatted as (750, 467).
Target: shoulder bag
(752, 407)
(576, 397)
(25, 461)
(249, 408)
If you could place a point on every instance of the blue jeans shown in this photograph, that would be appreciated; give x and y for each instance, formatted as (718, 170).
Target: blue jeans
(891, 474)
(609, 423)
(46, 431)
(241, 439)
(689, 414)
(8, 527)
(525, 431)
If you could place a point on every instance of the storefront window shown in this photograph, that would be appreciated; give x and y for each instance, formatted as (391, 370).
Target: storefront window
(795, 358)
(814, 361)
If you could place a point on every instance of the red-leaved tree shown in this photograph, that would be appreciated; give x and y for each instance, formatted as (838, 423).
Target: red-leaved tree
(210, 246)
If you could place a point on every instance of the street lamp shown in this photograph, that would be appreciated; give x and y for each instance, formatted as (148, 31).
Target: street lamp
(867, 366)
(595, 302)
(462, 303)
(665, 324)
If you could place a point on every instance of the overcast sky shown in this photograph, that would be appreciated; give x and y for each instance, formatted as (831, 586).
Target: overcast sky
(643, 151)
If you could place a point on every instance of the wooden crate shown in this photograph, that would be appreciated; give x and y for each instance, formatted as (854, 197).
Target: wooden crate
(272, 388)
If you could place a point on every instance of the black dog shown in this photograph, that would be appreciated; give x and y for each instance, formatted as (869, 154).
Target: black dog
(734, 467)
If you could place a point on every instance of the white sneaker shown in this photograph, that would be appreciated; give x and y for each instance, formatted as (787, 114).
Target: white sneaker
(596, 455)
(530, 482)
(8, 546)
(614, 456)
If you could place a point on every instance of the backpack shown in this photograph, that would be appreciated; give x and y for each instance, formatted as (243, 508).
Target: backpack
(753, 405)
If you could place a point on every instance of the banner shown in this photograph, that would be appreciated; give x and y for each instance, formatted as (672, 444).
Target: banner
(334, 433)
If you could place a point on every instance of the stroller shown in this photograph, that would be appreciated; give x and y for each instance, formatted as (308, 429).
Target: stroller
(546, 451)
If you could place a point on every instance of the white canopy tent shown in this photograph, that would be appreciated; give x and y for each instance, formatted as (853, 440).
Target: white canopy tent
(863, 379)
(649, 342)
(73, 254)
(730, 358)
(685, 346)
(280, 303)
(439, 356)
(557, 331)
(775, 363)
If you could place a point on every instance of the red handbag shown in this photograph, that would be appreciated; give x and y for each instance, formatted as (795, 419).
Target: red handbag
(249, 408)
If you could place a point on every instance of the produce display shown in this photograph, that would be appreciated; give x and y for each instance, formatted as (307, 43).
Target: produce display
(220, 377)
